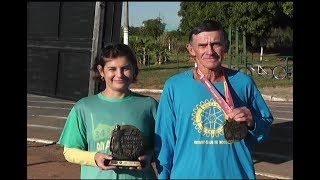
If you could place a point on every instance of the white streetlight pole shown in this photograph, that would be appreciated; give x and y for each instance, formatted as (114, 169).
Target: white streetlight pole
(126, 23)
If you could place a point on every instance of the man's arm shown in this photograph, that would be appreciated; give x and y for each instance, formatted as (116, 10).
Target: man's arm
(261, 115)
(164, 135)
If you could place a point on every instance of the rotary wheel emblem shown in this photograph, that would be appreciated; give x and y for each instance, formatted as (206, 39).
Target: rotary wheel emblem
(209, 118)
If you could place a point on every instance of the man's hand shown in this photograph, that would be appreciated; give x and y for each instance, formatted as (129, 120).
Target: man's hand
(242, 114)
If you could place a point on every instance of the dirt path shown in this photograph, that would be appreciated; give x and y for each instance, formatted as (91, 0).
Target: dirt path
(47, 162)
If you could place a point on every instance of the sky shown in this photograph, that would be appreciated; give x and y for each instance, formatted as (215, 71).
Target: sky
(141, 11)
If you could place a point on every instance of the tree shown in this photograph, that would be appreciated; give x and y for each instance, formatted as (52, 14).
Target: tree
(135, 31)
(288, 8)
(256, 18)
(153, 27)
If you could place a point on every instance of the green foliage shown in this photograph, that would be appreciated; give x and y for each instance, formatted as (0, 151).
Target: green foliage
(266, 82)
(154, 76)
(281, 39)
(153, 27)
(288, 8)
(135, 31)
(256, 18)
(267, 24)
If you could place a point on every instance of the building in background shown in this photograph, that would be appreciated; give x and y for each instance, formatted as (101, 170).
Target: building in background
(63, 39)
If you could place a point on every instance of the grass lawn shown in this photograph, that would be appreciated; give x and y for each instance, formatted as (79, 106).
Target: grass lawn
(154, 76)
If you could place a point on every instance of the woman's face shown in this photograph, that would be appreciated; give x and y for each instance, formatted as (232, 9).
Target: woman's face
(118, 74)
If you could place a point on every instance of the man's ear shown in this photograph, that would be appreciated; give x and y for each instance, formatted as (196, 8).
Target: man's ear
(190, 49)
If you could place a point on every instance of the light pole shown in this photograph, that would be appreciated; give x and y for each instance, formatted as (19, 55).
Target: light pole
(95, 45)
(126, 23)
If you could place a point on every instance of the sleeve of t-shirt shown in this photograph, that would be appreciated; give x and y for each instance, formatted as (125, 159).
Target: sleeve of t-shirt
(79, 156)
(154, 107)
(261, 115)
(164, 135)
(73, 134)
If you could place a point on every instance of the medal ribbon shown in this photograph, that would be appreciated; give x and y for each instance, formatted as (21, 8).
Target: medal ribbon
(227, 105)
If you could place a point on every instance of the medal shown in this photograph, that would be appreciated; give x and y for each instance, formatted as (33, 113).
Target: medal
(233, 131)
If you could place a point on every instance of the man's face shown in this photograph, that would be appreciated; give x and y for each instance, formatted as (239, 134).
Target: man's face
(208, 49)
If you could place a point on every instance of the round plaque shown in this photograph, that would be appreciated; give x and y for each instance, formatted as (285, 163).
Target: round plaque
(126, 143)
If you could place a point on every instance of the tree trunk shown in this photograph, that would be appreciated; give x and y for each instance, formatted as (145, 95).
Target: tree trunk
(261, 53)
(144, 56)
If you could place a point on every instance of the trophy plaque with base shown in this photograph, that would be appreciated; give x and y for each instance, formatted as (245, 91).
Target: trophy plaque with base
(126, 146)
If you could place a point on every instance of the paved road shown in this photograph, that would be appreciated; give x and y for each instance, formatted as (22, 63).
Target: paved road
(273, 159)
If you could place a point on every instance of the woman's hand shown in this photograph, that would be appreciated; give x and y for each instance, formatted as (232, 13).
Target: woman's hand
(145, 160)
(102, 161)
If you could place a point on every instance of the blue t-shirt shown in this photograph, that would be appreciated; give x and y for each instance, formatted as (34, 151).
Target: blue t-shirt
(189, 136)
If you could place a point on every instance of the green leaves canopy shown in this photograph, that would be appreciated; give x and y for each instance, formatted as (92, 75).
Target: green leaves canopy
(256, 18)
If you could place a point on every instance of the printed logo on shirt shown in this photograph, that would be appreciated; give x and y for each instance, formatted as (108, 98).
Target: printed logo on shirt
(208, 118)
(101, 132)
(103, 146)
(101, 135)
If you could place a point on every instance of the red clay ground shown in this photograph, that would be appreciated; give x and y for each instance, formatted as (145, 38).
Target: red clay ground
(47, 162)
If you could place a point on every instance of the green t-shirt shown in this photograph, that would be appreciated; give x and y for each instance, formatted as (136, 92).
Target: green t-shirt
(90, 124)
